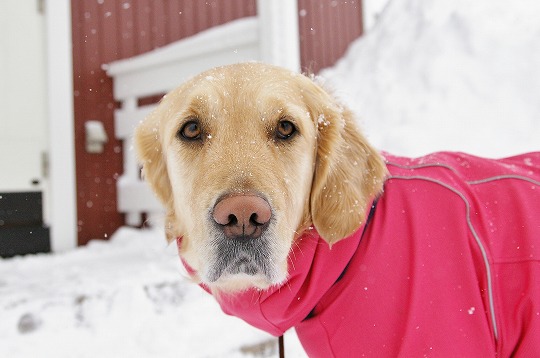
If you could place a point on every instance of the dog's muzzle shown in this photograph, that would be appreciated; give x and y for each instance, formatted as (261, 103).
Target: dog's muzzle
(242, 244)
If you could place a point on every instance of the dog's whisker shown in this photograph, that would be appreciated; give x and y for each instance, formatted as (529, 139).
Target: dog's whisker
(291, 252)
(298, 247)
(292, 264)
(288, 286)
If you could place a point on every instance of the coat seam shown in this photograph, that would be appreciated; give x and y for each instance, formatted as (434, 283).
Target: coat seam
(478, 241)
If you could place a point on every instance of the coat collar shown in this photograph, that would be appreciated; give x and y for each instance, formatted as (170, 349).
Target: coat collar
(314, 267)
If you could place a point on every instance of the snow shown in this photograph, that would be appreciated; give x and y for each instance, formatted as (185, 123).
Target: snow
(429, 75)
(447, 75)
(128, 297)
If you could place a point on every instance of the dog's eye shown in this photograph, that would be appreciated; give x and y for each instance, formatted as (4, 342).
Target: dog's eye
(285, 129)
(190, 131)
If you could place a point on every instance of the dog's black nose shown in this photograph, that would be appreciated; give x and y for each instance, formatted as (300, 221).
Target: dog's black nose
(242, 216)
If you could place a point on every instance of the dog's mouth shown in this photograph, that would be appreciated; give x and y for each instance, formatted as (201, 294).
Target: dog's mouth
(239, 258)
(241, 266)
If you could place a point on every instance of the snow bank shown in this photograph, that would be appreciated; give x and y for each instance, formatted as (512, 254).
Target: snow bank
(447, 75)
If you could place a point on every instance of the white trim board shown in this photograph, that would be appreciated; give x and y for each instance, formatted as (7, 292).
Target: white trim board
(62, 199)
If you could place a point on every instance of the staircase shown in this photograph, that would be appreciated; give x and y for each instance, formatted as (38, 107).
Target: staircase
(21, 224)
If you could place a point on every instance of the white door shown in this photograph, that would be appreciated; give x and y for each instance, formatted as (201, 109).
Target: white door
(23, 106)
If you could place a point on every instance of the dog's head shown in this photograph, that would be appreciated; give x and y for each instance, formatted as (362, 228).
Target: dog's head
(245, 158)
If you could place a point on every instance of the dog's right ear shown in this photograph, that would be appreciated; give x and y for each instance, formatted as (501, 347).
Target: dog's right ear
(148, 144)
(349, 172)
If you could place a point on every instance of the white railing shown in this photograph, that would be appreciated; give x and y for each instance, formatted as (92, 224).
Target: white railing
(271, 37)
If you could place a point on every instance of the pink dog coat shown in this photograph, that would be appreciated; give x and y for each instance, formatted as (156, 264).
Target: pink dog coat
(448, 265)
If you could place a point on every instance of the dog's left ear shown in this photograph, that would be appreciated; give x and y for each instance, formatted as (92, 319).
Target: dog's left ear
(150, 154)
(349, 172)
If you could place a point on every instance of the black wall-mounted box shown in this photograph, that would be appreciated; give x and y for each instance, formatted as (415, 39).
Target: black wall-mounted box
(21, 224)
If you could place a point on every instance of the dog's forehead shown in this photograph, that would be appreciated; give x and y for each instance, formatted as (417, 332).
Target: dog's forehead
(237, 95)
(247, 72)
(239, 83)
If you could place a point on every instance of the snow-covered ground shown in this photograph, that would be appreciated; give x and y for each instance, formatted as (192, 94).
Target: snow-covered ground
(128, 297)
(430, 75)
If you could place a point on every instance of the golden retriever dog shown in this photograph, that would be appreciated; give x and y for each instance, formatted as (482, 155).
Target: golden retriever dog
(257, 138)
(282, 209)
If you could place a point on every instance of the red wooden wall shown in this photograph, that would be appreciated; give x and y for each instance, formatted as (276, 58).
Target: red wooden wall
(327, 27)
(109, 30)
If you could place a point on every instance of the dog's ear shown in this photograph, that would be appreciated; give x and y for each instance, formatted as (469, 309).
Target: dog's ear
(349, 172)
(150, 153)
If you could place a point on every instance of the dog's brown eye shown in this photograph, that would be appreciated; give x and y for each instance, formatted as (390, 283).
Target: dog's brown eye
(285, 129)
(190, 131)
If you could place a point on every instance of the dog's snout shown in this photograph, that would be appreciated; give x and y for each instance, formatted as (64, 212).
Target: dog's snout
(242, 216)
